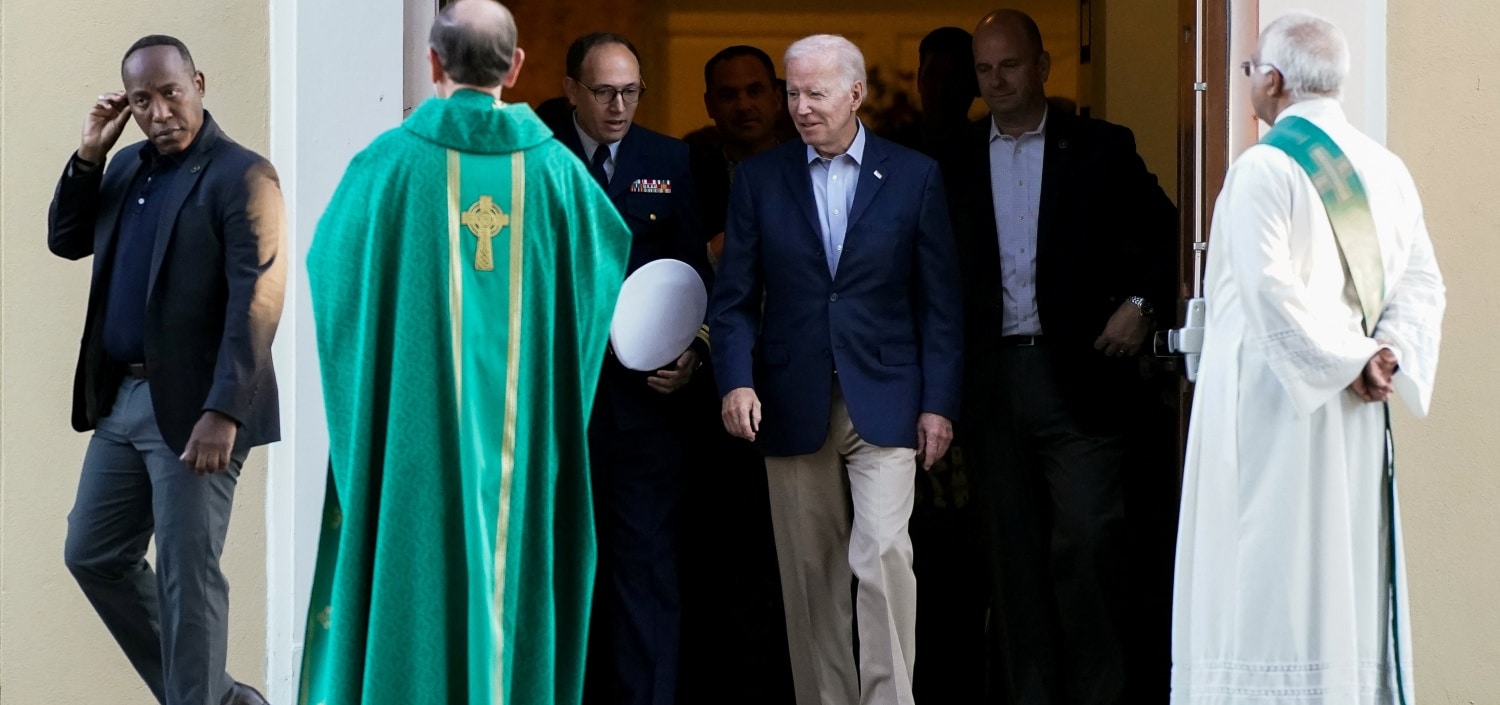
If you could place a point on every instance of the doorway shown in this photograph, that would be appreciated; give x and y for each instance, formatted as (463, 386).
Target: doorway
(1158, 67)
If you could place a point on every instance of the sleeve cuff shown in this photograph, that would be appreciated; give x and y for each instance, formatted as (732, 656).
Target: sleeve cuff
(78, 166)
(225, 414)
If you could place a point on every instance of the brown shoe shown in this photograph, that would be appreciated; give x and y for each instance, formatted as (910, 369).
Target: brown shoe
(241, 694)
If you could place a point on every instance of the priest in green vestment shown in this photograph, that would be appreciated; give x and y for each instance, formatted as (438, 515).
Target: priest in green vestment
(463, 279)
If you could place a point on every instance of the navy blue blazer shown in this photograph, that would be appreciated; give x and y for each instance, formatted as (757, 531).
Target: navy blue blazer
(218, 275)
(652, 188)
(889, 324)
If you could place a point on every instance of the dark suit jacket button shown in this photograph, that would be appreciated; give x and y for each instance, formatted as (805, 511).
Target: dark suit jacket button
(833, 297)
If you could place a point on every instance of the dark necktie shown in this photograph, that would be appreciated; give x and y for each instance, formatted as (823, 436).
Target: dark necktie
(601, 155)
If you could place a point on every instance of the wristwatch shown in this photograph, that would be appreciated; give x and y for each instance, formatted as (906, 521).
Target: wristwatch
(1147, 310)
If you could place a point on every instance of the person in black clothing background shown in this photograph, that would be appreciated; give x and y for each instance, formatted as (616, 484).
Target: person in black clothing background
(639, 432)
(1069, 249)
(732, 620)
(174, 373)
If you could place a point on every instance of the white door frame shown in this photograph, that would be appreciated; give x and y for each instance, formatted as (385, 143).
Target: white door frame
(338, 72)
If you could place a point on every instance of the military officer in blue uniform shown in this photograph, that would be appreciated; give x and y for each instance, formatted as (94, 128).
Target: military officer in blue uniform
(638, 444)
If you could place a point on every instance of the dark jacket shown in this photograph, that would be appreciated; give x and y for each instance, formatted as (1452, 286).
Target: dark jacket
(662, 225)
(711, 181)
(1105, 232)
(218, 274)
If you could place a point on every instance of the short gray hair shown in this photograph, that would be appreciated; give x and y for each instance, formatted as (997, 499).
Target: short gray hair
(847, 57)
(1309, 51)
(474, 45)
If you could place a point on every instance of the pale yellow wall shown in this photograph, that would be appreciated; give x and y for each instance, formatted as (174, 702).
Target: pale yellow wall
(55, 58)
(1138, 67)
(1444, 120)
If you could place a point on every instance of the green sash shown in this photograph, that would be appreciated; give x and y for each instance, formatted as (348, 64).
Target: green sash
(1348, 207)
(1343, 195)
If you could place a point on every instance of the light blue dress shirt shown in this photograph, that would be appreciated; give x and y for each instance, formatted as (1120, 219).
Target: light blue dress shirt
(834, 181)
(1016, 192)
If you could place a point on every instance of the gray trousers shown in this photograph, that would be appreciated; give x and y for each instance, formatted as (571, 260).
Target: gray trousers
(172, 623)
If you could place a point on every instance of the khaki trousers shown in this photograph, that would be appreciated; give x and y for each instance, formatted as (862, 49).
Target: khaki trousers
(837, 514)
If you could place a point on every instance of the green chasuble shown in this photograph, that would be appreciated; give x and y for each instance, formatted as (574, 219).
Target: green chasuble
(463, 280)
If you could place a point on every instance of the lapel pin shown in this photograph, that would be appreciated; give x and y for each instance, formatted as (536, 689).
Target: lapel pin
(196, 168)
(1062, 144)
(879, 175)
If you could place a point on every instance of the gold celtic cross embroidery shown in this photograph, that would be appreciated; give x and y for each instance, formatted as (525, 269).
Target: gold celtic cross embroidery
(485, 220)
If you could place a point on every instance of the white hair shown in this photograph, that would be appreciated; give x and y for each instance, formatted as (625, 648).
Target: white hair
(1309, 51)
(847, 57)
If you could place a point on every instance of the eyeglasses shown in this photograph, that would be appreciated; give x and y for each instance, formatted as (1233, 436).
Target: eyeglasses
(1246, 66)
(606, 94)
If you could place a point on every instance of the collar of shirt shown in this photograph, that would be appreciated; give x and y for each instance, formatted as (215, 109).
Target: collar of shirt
(154, 161)
(856, 151)
(1315, 109)
(1039, 131)
(589, 144)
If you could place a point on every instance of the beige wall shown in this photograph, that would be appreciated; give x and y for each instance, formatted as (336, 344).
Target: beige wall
(1444, 120)
(55, 58)
(1136, 77)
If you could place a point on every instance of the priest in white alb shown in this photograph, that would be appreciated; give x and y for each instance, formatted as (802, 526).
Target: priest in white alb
(1324, 302)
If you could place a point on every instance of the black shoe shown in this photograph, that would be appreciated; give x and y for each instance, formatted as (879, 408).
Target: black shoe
(241, 694)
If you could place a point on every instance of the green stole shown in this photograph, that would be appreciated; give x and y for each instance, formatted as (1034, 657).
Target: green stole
(485, 228)
(1348, 207)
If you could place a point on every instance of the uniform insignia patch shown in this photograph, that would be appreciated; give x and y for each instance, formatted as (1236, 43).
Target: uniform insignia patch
(651, 186)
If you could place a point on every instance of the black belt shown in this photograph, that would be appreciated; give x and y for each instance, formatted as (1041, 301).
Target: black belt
(1020, 341)
(135, 369)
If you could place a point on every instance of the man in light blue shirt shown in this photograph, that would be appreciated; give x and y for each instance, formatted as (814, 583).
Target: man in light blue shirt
(837, 305)
(1069, 247)
(1016, 192)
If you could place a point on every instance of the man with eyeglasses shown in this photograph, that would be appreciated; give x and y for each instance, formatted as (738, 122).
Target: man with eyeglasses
(638, 436)
(1321, 278)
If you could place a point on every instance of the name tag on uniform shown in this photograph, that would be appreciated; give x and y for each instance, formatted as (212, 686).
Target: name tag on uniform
(651, 186)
